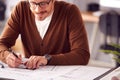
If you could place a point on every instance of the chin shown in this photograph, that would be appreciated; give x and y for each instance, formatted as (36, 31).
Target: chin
(40, 18)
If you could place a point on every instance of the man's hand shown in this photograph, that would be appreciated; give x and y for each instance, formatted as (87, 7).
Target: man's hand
(35, 62)
(13, 61)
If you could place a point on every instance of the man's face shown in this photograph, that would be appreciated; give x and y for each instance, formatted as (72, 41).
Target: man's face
(41, 8)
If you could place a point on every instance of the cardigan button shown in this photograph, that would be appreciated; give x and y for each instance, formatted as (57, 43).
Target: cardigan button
(41, 44)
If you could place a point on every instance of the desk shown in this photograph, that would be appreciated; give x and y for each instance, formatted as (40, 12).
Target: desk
(53, 73)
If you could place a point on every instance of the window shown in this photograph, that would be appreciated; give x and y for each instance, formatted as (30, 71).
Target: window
(110, 3)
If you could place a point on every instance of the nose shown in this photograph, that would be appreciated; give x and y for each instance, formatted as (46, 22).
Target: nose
(37, 9)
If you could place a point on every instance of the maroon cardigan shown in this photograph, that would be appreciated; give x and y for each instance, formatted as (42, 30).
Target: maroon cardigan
(65, 39)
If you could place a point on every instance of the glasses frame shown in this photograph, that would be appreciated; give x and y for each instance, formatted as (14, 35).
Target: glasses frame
(43, 4)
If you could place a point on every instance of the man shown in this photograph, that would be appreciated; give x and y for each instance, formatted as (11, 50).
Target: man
(52, 33)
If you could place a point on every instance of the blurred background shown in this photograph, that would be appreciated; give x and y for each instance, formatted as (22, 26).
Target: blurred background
(102, 22)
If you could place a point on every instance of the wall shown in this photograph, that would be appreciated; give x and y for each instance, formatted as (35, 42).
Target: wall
(10, 5)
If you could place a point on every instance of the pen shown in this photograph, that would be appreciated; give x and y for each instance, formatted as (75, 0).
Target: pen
(14, 54)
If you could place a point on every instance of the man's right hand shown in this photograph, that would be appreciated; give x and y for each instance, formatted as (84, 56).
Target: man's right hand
(12, 60)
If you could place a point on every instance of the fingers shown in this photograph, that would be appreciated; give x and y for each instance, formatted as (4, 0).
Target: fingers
(19, 56)
(31, 63)
(35, 62)
(114, 78)
(12, 61)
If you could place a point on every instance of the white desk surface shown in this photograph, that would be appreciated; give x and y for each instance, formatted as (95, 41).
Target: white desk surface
(53, 73)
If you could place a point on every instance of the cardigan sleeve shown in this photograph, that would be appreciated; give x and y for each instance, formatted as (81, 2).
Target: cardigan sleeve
(79, 53)
(10, 33)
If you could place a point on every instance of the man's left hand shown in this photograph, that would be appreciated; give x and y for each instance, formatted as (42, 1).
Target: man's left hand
(35, 62)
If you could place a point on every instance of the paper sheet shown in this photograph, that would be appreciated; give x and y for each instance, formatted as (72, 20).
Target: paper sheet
(44, 73)
(53, 73)
(116, 73)
(82, 73)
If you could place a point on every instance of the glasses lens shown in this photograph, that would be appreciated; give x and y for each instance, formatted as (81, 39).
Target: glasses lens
(32, 5)
(43, 4)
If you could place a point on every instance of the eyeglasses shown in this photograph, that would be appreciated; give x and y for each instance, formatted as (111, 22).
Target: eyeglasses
(44, 4)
